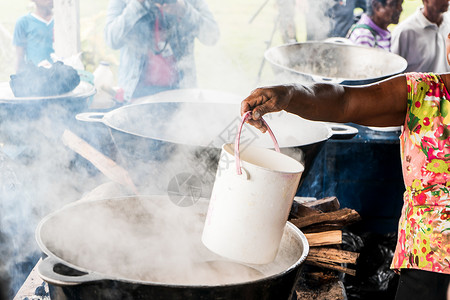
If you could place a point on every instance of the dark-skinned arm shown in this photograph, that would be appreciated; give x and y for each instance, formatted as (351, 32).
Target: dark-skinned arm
(379, 104)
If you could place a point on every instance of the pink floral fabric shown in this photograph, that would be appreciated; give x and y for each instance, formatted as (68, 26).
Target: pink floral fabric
(424, 226)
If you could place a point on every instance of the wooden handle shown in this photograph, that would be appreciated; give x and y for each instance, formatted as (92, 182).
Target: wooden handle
(106, 165)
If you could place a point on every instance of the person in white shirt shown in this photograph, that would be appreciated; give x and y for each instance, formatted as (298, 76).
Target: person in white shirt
(420, 38)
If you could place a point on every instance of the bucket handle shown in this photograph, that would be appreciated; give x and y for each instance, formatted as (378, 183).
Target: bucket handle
(245, 117)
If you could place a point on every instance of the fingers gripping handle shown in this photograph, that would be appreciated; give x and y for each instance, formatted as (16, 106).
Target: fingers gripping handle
(245, 117)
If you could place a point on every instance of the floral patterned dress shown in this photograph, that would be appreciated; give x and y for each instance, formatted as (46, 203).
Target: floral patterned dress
(424, 226)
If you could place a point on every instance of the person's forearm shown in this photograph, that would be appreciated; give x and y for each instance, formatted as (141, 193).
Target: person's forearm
(379, 104)
(319, 102)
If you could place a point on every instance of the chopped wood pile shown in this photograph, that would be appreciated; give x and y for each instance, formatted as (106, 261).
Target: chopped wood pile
(322, 222)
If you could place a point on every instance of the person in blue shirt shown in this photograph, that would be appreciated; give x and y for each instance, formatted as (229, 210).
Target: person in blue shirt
(33, 35)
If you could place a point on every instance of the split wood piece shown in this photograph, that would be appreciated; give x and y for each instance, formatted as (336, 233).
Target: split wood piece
(298, 210)
(301, 208)
(332, 255)
(327, 204)
(29, 286)
(331, 267)
(322, 227)
(343, 216)
(321, 277)
(106, 165)
(324, 238)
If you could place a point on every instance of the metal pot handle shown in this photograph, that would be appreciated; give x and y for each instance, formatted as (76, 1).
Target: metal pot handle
(339, 40)
(326, 79)
(46, 270)
(245, 117)
(342, 131)
(90, 117)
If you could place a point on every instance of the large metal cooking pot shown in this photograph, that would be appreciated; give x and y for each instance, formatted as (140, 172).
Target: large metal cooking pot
(192, 95)
(333, 62)
(24, 108)
(149, 248)
(26, 123)
(157, 141)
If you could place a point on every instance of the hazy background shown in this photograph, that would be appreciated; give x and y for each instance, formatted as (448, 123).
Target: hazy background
(231, 65)
(29, 190)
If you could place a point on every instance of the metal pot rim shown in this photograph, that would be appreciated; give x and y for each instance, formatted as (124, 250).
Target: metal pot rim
(105, 119)
(82, 91)
(101, 276)
(341, 80)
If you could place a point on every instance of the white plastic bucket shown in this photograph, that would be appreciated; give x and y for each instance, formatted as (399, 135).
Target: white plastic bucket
(250, 202)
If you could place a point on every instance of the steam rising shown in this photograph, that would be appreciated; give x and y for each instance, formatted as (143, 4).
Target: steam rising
(37, 175)
(40, 175)
(318, 24)
(149, 239)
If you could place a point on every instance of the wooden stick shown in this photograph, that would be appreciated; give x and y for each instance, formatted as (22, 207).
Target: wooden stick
(332, 237)
(332, 255)
(332, 267)
(322, 227)
(322, 276)
(306, 208)
(342, 216)
(106, 165)
(327, 204)
(298, 210)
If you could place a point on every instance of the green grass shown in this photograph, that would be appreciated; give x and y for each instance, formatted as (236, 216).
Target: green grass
(231, 65)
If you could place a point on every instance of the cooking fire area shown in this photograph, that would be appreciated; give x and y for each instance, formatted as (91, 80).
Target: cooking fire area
(110, 204)
(73, 236)
(183, 191)
(321, 275)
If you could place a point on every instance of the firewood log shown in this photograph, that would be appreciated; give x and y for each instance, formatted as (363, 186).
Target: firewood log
(343, 216)
(322, 227)
(332, 255)
(299, 210)
(332, 237)
(322, 277)
(331, 266)
(327, 204)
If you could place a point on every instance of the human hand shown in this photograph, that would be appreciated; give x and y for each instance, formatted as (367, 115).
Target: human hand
(266, 100)
(176, 8)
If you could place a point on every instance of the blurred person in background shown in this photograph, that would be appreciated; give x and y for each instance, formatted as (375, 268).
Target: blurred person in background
(318, 23)
(420, 38)
(33, 35)
(372, 29)
(156, 42)
(330, 18)
(343, 16)
(420, 102)
(286, 19)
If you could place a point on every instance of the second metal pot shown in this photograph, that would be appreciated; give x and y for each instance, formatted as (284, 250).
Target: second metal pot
(333, 62)
(158, 141)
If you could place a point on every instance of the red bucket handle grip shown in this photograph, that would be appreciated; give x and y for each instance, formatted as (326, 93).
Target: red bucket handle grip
(245, 117)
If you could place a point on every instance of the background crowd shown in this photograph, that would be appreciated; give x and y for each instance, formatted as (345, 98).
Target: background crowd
(158, 44)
